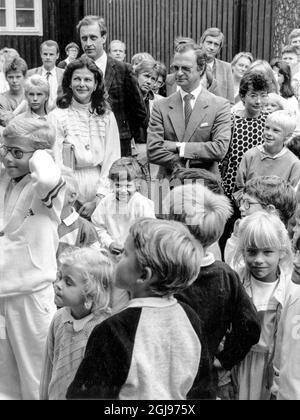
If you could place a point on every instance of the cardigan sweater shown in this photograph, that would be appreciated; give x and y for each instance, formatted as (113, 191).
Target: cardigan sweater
(149, 351)
(29, 219)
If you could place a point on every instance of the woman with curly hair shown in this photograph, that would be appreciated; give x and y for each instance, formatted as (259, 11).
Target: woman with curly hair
(248, 125)
(84, 119)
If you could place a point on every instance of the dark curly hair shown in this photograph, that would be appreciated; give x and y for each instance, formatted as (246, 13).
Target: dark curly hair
(253, 80)
(99, 103)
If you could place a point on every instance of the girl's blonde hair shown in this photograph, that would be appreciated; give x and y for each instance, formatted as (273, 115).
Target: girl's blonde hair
(37, 81)
(263, 230)
(97, 273)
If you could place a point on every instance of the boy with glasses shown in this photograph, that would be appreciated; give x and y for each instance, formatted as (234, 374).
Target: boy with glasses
(270, 193)
(31, 200)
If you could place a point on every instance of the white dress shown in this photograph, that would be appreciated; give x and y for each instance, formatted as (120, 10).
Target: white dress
(96, 142)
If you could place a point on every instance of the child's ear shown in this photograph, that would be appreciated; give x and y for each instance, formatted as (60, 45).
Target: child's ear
(146, 275)
(271, 208)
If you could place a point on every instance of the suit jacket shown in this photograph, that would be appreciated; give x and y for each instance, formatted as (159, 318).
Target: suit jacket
(207, 135)
(125, 98)
(38, 70)
(222, 72)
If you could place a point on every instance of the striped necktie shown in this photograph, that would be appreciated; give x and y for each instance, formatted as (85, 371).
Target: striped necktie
(187, 107)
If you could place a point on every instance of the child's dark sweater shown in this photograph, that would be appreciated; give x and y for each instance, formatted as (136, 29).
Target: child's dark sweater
(220, 301)
(149, 351)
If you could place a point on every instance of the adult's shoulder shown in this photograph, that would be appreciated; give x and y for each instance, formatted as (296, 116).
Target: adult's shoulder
(214, 99)
(57, 113)
(223, 64)
(32, 71)
(60, 70)
(118, 65)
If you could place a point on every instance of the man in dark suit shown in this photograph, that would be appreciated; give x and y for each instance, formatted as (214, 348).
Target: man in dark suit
(192, 126)
(49, 54)
(124, 94)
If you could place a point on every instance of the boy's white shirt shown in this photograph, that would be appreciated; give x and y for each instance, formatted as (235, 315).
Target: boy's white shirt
(28, 226)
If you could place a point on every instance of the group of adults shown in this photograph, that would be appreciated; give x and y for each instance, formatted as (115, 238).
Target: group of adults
(100, 104)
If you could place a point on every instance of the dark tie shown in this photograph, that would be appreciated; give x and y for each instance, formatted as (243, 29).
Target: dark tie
(48, 74)
(187, 107)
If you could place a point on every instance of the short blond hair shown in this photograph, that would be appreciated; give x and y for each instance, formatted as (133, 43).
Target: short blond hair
(97, 273)
(37, 81)
(39, 132)
(170, 251)
(285, 119)
(204, 212)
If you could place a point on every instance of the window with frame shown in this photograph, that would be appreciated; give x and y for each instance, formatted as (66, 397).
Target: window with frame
(21, 17)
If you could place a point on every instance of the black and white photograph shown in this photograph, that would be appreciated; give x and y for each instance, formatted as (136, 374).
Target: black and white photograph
(150, 202)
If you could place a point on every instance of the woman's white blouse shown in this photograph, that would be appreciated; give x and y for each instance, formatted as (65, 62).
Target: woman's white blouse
(95, 138)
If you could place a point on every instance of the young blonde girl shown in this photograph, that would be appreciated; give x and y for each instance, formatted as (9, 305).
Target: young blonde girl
(83, 291)
(265, 248)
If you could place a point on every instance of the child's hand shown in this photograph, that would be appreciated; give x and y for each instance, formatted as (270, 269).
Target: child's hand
(116, 248)
(87, 209)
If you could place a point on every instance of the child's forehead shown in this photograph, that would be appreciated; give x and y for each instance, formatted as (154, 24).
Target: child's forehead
(35, 89)
(14, 73)
(271, 122)
(17, 141)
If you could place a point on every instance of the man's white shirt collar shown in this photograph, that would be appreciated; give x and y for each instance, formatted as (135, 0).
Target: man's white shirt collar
(101, 62)
(44, 71)
(196, 92)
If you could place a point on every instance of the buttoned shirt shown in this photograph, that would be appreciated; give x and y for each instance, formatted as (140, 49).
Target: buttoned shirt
(196, 92)
(101, 62)
(53, 83)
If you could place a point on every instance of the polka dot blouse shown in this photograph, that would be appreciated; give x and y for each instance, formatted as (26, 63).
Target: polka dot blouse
(247, 133)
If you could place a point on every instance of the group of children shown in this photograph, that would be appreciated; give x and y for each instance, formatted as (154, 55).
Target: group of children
(141, 307)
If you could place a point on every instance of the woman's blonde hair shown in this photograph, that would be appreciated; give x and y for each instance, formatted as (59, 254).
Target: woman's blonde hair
(263, 230)
(242, 54)
(97, 273)
(204, 212)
